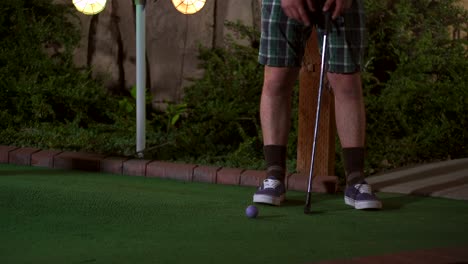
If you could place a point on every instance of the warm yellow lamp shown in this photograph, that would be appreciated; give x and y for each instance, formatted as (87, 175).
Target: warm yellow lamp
(188, 6)
(90, 7)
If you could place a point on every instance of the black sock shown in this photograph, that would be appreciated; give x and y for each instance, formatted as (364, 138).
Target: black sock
(275, 158)
(354, 165)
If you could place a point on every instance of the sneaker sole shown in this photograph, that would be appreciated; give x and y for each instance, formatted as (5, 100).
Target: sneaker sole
(364, 204)
(267, 199)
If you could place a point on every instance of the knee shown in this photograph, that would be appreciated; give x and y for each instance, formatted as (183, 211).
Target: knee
(275, 88)
(279, 81)
(346, 85)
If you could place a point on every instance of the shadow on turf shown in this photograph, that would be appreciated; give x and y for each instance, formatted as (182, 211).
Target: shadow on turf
(389, 203)
(4, 173)
(299, 200)
(41, 171)
(398, 202)
(266, 217)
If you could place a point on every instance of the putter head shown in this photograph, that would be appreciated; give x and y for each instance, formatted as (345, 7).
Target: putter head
(308, 198)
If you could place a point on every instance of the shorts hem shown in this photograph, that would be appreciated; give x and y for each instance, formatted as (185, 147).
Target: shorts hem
(279, 63)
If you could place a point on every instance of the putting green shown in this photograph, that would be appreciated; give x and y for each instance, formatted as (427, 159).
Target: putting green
(56, 216)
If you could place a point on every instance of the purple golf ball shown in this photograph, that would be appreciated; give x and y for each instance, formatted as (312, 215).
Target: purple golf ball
(251, 211)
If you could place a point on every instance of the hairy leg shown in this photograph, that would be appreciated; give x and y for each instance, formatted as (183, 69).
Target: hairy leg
(349, 109)
(275, 105)
(350, 123)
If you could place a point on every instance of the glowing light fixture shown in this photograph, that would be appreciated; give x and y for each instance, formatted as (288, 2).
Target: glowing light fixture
(188, 6)
(90, 7)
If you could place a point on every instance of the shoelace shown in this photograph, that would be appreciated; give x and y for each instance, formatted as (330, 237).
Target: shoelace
(269, 183)
(363, 188)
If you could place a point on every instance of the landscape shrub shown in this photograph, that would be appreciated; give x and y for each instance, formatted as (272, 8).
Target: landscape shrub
(415, 83)
(46, 101)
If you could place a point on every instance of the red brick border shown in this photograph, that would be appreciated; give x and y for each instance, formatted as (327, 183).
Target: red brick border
(207, 174)
(22, 156)
(135, 167)
(154, 168)
(229, 176)
(78, 161)
(168, 170)
(113, 165)
(44, 158)
(252, 178)
(5, 153)
(320, 184)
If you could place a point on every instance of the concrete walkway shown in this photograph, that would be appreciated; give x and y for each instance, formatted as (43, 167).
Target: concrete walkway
(447, 179)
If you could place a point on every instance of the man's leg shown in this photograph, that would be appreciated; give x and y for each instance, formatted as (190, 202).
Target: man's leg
(351, 127)
(350, 122)
(349, 109)
(282, 44)
(275, 116)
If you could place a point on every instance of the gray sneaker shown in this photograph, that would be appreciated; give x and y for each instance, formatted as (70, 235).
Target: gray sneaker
(271, 191)
(360, 196)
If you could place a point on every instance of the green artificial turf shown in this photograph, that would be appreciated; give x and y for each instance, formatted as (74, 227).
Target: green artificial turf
(56, 216)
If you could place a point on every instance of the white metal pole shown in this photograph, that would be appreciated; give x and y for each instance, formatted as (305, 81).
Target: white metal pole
(140, 77)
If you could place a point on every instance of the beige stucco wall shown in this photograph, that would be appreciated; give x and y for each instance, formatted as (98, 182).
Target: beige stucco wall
(108, 42)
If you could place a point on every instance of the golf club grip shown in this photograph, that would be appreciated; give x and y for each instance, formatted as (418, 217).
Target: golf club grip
(328, 21)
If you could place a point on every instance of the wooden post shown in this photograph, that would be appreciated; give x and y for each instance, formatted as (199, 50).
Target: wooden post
(309, 84)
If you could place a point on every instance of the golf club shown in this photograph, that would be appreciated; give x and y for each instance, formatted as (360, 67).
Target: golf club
(327, 29)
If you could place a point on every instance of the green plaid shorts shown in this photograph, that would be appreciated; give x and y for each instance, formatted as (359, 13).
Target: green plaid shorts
(283, 40)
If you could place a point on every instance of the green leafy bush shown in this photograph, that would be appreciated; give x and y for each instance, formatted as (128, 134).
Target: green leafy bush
(220, 124)
(45, 100)
(416, 88)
